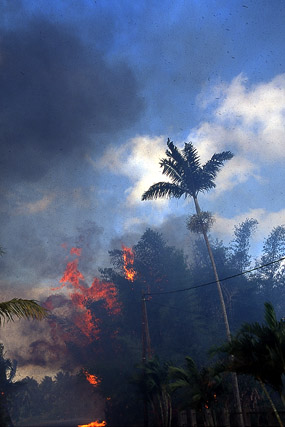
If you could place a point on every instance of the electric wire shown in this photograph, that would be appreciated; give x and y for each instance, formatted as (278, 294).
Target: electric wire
(214, 281)
(169, 306)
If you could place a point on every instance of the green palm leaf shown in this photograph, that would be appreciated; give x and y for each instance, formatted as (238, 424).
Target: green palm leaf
(176, 155)
(171, 169)
(270, 316)
(187, 176)
(191, 156)
(212, 167)
(163, 189)
(21, 309)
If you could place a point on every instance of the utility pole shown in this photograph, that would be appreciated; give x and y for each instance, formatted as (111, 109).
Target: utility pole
(146, 351)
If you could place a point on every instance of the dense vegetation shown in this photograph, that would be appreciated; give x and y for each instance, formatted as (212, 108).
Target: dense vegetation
(181, 324)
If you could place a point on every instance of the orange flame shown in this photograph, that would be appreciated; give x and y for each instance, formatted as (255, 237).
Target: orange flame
(128, 257)
(83, 295)
(92, 379)
(94, 424)
(75, 251)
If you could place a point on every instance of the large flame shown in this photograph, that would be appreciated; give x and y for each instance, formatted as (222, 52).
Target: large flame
(94, 424)
(128, 257)
(92, 379)
(82, 296)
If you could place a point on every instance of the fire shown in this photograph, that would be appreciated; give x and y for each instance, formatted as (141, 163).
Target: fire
(92, 379)
(82, 296)
(75, 251)
(128, 257)
(94, 424)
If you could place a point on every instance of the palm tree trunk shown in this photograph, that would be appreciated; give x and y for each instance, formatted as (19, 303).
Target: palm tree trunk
(228, 332)
(271, 402)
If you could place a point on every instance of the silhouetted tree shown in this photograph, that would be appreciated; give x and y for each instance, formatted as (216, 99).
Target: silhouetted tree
(188, 179)
(240, 257)
(152, 380)
(7, 387)
(259, 350)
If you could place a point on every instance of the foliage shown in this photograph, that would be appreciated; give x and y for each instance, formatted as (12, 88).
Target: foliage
(197, 223)
(258, 350)
(7, 387)
(188, 177)
(271, 278)
(239, 246)
(152, 381)
(179, 323)
(201, 388)
(56, 398)
(21, 309)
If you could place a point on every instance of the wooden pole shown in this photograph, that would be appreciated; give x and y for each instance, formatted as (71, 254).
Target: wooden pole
(145, 334)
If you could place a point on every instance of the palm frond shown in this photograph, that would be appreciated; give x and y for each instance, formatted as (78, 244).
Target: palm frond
(205, 183)
(254, 328)
(171, 169)
(173, 153)
(21, 309)
(179, 374)
(191, 366)
(163, 189)
(185, 172)
(212, 167)
(190, 154)
(270, 316)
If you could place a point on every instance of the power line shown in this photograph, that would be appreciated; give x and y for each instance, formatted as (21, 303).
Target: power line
(169, 306)
(215, 281)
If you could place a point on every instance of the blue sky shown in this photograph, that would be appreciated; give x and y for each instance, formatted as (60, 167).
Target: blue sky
(91, 91)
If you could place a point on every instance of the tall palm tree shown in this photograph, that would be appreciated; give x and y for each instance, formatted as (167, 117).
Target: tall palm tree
(189, 178)
(259, 351)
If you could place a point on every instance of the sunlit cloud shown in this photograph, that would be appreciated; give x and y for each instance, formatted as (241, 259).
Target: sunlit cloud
(138, 159)
(249, 119)
(224, 227)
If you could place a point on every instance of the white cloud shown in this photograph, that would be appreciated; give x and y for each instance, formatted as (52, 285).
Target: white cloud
(248, 120)
(252, 120)
(237, 171)
(138, 159)
(224, 227)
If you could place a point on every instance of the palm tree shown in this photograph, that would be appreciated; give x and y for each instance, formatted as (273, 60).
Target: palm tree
(189, 178)
(259, 351)
(200, 387)
(152, 381)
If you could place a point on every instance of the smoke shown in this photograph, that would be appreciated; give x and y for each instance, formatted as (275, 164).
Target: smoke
(77, 318)
(58, 93)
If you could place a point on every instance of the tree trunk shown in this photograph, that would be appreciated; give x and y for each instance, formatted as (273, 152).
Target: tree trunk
(271, 402)
(228, 332)
(146, 353)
